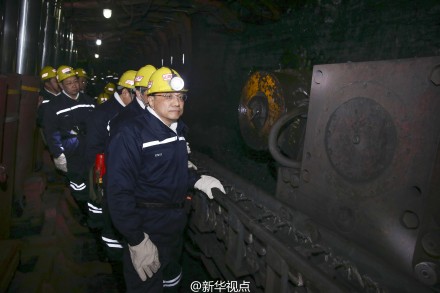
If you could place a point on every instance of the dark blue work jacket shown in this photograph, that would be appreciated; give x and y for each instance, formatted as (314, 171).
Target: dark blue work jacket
(98, 128)
(47, 97)
(147, 161)
(65, 126)
(131, 110)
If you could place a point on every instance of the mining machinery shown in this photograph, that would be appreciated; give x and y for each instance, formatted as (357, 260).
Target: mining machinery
(357, 200)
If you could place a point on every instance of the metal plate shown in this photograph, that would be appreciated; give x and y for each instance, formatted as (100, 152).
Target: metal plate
(371, 155)
(360, 139)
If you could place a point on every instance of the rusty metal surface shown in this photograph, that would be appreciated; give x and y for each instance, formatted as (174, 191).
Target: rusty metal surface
(3, 175)
(9, 260)
(371, 159)
(9, 151)
(24, 162)
(56, 251)
(3, 95)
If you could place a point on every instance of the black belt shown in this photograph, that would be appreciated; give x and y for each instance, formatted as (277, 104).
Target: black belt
(159, 205)
(67, 136)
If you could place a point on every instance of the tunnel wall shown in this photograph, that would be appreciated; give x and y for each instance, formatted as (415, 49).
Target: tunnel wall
(319, 33)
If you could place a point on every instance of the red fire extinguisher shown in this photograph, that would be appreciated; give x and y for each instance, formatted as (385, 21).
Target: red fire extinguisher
(99, 169)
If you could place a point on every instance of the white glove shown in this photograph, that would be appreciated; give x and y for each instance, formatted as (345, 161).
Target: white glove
(145, 258)
(191, 165)
(187, 148)
(61, 163)
(206, 183)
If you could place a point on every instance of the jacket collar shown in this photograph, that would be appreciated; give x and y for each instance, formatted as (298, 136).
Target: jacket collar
(173, 125)
(140, 102)
(156, 122)
(118, 98)
(76, 98)
(54, 94)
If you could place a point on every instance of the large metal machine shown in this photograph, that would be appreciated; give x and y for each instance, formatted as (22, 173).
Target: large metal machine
(357, 205)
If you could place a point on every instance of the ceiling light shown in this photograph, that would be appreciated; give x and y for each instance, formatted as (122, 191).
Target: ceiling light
(96, 56)
(98, 42)
(107, 12)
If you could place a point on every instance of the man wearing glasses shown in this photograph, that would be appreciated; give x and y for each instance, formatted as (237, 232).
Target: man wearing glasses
(148, 180)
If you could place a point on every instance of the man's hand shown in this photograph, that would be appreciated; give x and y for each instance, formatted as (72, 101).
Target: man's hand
(206, 183)
(191, 165)
(61, 163)
(145, 258)
(188, 150)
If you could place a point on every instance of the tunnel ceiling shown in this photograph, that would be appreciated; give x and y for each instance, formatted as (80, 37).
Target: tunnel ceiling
(134, 22)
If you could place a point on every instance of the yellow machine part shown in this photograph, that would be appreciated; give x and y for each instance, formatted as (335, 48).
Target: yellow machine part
(265, 97)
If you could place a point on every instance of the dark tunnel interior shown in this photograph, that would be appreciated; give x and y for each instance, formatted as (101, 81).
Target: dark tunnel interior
(216, 45)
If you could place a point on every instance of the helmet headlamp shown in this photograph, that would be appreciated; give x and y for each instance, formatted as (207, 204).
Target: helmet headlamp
(165, 80)
(177, 83)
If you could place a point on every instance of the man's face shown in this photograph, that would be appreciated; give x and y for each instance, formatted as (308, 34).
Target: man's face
(138, 93)
(53, 85)
(141, 94)
(82, 83)
(70, 85)
(168, 106)
(126, 96)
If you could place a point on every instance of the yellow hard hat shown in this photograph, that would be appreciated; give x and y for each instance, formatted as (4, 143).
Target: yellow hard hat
(143, 75)
(110, 88)
(80, 72)
(127, 79)
(102, 97)
(64, 72)
(165, 80)
(47, 72)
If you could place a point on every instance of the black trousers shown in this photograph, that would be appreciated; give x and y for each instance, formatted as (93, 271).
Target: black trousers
(78, 185)
(112, 239)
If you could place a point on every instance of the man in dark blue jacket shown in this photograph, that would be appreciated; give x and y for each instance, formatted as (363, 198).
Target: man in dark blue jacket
(97, 136)
(138, 105)
(49, 91)
(147, 181)
(99, 125)
(65, 128)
